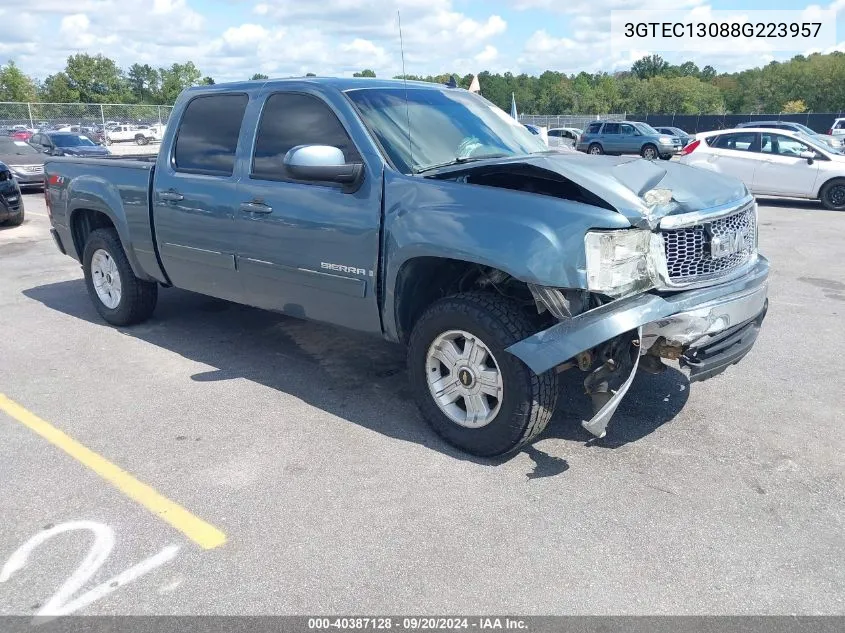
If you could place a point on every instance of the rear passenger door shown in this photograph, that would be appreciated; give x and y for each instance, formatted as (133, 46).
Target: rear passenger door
(736, 154)
(611, 138)
(195, 197)
(309, 249)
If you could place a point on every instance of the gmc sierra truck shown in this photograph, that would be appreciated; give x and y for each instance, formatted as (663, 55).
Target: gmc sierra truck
(424, 214)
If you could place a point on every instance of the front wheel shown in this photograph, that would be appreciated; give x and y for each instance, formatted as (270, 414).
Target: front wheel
(16, 220)
(141, 140)
(833, 195)
(649, 152)
(118, 295)
(109, 141)
(473, 393)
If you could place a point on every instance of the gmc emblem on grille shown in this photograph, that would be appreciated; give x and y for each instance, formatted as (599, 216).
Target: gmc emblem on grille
(727, 243)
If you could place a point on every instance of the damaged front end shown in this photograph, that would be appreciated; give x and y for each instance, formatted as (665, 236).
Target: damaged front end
(706, 317)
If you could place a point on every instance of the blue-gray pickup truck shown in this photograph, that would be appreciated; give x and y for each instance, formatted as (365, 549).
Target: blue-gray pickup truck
(424, 214)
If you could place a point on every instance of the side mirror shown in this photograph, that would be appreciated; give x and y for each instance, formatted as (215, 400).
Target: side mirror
(322, 163)
(808, 156)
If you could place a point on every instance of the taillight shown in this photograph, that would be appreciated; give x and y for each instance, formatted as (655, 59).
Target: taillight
(830, 132)
(689, 149)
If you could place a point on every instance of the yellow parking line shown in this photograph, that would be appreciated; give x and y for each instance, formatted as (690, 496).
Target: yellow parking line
(203, 534)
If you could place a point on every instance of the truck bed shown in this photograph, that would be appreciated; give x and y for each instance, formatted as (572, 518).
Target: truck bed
(118, 188)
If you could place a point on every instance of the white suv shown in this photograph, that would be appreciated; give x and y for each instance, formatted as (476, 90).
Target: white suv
(838, 128)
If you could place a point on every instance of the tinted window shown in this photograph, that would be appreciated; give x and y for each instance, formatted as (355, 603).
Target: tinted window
(289, 120)
(71, 140)
(611, 128)
(594, 128)
(208, 134)
(742, 141)
(782, 145)
(627, 129)
(555, 132)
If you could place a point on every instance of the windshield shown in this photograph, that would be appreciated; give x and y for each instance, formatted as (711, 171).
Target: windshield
(805, 129)
(71, 140)
(10, 147)
(446, 126)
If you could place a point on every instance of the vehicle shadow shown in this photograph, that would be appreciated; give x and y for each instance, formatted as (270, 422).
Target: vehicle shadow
(793, 203)
(356, 377)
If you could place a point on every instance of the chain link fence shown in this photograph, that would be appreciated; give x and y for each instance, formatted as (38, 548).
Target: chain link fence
(580, 121)
(45, 115)
(691, 123)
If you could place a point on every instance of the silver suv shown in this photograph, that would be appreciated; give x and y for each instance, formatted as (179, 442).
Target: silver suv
(628, 137)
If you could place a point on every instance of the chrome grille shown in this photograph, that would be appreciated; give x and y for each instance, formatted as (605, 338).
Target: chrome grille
(30, 169)
(688, 250)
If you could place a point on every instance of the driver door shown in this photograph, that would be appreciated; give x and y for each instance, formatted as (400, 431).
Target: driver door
(782, 170)
(308, 249)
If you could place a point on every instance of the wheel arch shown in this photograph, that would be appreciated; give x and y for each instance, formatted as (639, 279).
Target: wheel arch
(422, 280)
(821, 187)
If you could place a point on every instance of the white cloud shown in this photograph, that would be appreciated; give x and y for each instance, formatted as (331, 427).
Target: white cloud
(338, 37)
(486, 56)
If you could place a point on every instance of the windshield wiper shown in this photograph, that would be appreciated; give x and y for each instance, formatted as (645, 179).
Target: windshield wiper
(458, 161)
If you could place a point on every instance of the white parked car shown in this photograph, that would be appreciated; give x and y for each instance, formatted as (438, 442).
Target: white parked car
(838, 128)
(564, 136)
(773, 163)
(124, 133)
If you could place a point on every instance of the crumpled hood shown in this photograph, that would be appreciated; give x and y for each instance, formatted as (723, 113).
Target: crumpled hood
(621, 181)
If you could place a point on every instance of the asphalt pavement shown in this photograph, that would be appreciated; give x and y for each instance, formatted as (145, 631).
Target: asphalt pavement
(300, 445)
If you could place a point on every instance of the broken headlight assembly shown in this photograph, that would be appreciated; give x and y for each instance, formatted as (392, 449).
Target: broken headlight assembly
(622, 263)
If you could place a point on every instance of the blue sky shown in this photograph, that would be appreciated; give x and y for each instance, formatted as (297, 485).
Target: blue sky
(232, 39)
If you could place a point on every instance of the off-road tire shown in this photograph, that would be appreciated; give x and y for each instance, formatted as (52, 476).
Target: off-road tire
(829, 189)
(649, 152)
(140, 139)
(528, 399)
(138, 297)
(595, 149)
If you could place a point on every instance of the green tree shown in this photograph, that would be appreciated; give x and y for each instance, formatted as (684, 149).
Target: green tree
(58, 89)
(365, 73)
(258, 76)
(14, 85)
(97, 79)
(650, 66)
(144, 82)
(176, 79)
(310, 75)
(207, 81)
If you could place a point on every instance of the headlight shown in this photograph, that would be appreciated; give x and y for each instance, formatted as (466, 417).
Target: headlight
(665, 140)
(619, 263)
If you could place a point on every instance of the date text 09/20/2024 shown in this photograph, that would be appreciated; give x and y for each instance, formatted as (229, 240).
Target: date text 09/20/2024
(417, 623)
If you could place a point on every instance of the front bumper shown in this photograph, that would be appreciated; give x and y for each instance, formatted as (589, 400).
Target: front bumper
(29, 180)
(716, 326)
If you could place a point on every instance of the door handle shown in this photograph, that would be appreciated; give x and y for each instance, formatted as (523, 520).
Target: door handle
(256, 207)
(171, 196)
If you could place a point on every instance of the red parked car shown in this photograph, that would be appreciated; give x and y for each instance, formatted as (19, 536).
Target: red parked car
(20, 135)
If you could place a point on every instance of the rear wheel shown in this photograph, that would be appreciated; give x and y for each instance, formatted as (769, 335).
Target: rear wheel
(595, 149)
(832, 194)
(118, 295)
(108, 141)
(140, 139)
(649, 152)
(475, 395)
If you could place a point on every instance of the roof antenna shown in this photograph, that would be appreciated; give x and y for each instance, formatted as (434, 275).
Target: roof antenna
(405, 82)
